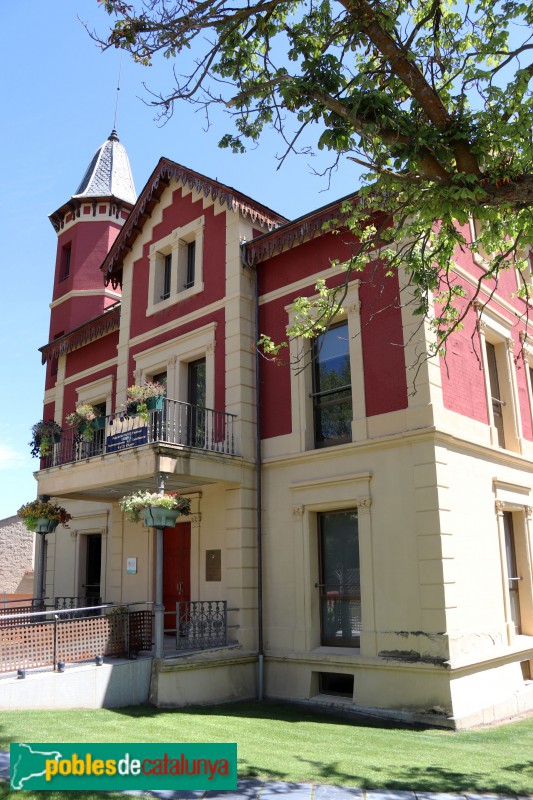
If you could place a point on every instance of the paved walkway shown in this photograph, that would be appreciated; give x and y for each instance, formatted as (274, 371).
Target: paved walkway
(271, 790)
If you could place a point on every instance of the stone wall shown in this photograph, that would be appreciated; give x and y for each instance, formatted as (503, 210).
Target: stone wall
(16, 556)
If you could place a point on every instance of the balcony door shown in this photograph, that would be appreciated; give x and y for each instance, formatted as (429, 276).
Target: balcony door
(196, 398)
(176, 567)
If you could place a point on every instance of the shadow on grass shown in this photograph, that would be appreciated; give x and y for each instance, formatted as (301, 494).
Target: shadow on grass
(275, 711)
(426, 779)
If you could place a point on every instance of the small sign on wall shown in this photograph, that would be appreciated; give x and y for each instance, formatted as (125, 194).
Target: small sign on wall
(213, 570)
(131, 566)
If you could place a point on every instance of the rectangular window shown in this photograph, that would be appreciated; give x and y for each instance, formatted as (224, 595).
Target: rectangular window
(496, 398)
(65, 262)
(167, 277)
(340, 583)
(191, 259)
(332, 387)
(512, 572)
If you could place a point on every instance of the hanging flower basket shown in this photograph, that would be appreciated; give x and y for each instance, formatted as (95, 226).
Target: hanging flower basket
(140, 400)
(157, 510)
(44, 435)
(44, 525)
(154, 403)
(86, 419)
(154, 517)
(43, 516)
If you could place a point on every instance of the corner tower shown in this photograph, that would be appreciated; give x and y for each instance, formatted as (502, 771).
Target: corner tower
(87, 225)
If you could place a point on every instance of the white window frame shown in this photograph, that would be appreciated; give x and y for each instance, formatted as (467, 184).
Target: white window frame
(174, 357)
(99, 391)
(175, 245)
(302, 412)
(310, 498)
(492, 331)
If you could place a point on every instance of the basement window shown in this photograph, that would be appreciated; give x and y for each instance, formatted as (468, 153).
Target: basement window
(337, 684)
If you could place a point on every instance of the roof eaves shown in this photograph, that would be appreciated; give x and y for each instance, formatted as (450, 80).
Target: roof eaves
(161, 177)
(295, 232)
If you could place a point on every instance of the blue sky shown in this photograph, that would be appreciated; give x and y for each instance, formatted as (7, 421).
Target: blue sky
(57, 95)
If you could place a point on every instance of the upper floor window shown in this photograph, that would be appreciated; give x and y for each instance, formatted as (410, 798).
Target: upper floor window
(167, 276)
(495, 393)
(332, 387)
(497, 348)
(176, 268)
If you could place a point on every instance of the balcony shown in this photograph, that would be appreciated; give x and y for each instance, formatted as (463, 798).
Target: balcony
(191, 444)
(177, 423)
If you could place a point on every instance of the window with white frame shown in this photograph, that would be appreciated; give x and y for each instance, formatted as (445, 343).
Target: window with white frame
(328, 400)
(176, 266)
(500, 385)
(340, 578)
(332, 387)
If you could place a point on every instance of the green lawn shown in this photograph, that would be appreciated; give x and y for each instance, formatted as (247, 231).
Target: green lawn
(284, 743)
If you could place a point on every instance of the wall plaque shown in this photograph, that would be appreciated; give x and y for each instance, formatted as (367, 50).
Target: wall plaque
(213, 561)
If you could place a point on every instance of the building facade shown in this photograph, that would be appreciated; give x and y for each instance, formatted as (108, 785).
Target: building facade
(363, 512)
(16, 560)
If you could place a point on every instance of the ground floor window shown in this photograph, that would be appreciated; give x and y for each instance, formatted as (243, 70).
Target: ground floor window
(340, 585)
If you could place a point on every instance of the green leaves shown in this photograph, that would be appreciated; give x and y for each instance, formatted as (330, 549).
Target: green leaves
(432, 96)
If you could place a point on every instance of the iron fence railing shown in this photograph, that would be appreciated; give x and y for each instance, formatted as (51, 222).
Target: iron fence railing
(201, 624)
(45, 638)
(74, 604)
(175, 423)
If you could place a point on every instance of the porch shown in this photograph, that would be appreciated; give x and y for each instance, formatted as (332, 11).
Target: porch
(58, 633)
(103, 656)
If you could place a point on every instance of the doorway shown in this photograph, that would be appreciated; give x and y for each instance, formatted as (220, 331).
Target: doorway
(176, 568)
(93, 568)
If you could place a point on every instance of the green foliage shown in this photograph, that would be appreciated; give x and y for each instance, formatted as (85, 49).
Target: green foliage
(141, 393)
(43, 434)
(433, 98)
(133, 504)
(39, 509)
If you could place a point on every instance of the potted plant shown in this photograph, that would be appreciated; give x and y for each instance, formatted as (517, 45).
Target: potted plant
(86, 419)
(140, 399)
(44, 436)
(43, 516)
(157, 510)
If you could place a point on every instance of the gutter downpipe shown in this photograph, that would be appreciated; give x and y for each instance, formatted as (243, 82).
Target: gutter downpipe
(259, 490)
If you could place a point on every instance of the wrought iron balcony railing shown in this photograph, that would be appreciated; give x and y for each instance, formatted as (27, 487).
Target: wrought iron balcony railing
(176, 423)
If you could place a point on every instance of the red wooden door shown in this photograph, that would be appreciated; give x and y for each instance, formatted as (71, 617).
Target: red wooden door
(176, 565)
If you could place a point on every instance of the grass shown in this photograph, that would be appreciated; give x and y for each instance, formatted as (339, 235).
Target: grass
(284, 743)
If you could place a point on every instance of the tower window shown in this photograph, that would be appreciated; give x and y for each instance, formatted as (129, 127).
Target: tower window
(65, 262)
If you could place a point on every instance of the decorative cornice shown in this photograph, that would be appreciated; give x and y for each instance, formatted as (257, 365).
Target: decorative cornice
(296, 232)
(164, 173)
(94, 329)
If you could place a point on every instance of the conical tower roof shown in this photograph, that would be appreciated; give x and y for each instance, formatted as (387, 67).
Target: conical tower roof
(109, 173)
